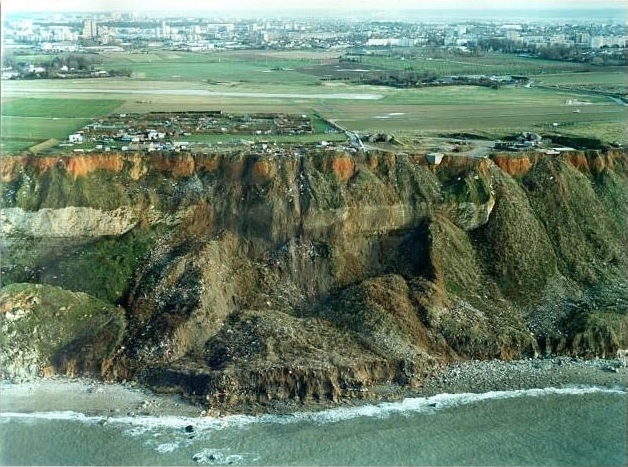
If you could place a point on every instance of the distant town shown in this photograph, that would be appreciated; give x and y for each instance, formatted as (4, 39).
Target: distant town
(458, 84)
(593, 42)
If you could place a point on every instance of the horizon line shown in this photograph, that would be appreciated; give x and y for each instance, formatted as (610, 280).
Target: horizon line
(340, 7)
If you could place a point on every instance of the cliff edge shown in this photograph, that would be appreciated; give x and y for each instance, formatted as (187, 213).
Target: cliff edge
(248, 278)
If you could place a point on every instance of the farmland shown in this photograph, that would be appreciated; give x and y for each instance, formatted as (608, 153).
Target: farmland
(28, 121)
(567, 97)
(611, 82)
(456, 64)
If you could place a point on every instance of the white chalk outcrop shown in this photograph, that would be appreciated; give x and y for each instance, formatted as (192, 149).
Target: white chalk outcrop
(68, 222)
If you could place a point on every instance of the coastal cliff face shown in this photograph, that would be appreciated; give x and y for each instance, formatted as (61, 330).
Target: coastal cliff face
(317, 276)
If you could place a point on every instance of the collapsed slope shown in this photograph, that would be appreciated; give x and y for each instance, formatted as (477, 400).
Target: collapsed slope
(257, 277)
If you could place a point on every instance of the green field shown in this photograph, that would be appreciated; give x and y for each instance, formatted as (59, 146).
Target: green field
(215, 67)
(455, 108)
(487, 64)
(57, 108)
(27, 121)
(610, 82)
(615, 78)
(290, 82)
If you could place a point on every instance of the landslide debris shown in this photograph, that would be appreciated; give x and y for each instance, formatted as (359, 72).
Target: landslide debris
(47, 330)
(255, 278)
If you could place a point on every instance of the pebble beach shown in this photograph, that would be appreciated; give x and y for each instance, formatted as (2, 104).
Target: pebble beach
(497, 375)
(108, 399)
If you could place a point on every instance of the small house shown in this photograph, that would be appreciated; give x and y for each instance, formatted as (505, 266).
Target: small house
(75, 138)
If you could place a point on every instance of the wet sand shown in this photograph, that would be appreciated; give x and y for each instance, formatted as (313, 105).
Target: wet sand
(91, 398)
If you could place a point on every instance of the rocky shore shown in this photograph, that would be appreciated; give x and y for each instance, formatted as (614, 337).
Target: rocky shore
(497, 375)
(484, 376)
(111, 400)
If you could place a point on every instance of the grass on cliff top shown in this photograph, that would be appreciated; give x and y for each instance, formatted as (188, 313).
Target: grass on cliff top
(591, 78)
(225, 66)
(489, 63)
(611, 132)
(19, 133)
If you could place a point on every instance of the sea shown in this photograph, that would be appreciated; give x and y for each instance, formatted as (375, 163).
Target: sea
(567, 426)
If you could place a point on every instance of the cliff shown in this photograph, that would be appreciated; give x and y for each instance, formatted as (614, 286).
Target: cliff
(248, 278)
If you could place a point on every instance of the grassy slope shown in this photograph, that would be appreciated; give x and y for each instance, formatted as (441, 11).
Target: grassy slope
(430, 290)
(586, 239)
(49, 327)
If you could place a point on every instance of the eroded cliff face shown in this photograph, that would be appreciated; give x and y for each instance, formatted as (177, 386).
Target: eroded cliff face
(317, 275)
(68, 222)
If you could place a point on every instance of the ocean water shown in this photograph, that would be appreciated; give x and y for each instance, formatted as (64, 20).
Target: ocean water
(568, 427)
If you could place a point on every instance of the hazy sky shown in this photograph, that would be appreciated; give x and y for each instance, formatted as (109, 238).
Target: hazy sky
(257, 5)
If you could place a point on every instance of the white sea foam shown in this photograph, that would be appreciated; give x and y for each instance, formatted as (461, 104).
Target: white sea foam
(428, 404)
(210, 456)
(141, 424)
(167, 447)
(58, 415)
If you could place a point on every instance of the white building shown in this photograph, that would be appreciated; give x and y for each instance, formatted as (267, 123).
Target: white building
(90, 29)
(608, 41)
(513, 35)
(58, 47)
(75, 138)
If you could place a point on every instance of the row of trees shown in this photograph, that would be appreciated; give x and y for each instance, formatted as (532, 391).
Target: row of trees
(71, 61)
(409, 79)
(604, 56)
(61, 66)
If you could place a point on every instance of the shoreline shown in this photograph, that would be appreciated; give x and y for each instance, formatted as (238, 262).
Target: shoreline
(497, 375)
(97, 398)
(91, 397)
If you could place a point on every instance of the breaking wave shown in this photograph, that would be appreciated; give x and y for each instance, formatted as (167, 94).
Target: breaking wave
(141, 424)
(292, 438)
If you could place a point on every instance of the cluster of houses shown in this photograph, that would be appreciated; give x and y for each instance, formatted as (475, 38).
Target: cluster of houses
(528, 140)
(480, 80)
(164, 131)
